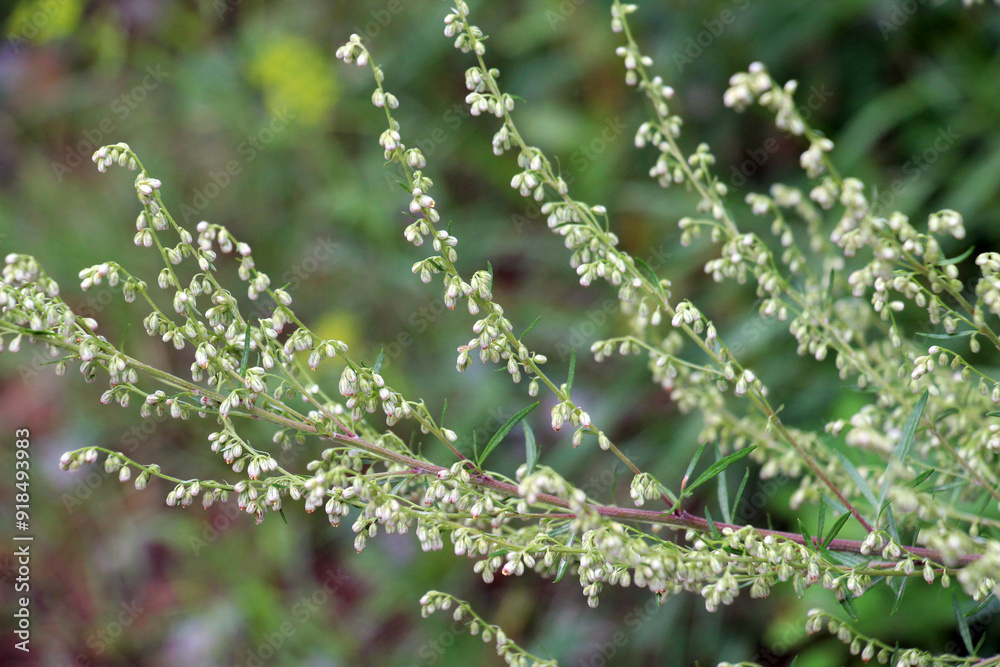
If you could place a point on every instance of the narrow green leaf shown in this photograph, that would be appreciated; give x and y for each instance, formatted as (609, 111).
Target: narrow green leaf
(835, 529)
(564, 562)
(956, 260)
(899, 594)
(822, 518)
(121, 345)
(283, 517)
(720, 465)
(712, 530)
(475, 450)
(829, 286)
(444, 411)
(859, 481)
(902, 450)
(847, 558)
(532, 326)
(693, 463)
(57, 361)
(498, 552)
(489, 269)
(994, 413)
(530, 448)
(979, 607)
(739, 492)
(572, 368)
(505, 429)
(555, 532)
(921, 478)
(724, 499)
(910, 428)
(963, 625)
(378, 360)
(891, 524)
(647, 272)
(848, 604)
(687, 475)
(614, 480)
(246, 353)
(399, 486)
(806, 536)
(947, 336)
(953, 486)
(947, 412)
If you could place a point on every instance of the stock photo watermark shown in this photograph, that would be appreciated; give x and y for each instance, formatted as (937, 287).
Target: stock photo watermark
(248, 150)
(22, 539)
(696, 45)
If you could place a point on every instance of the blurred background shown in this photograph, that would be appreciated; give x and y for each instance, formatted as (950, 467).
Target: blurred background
(241, 109)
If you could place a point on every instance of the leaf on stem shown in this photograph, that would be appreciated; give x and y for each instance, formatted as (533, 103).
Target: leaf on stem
(848, 604)
(246, 353)
(947, 336)
(899, 594)
(720, 465)
(822, 518)
(572, 368)
(564, 562)
(530, 448)
(859, 481)
(727, 515)
(956, 260)
(690, 468)
(530, 327)
(504, 430)
(712, 530)
(121, 345)
(739, 492)
(647, 272)
(835, 529)
(947, 412)
(963, 625)
(921, 478)
(809, 542)
(902, 451)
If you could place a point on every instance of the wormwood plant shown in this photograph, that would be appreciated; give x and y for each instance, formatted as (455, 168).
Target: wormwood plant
(839, 273)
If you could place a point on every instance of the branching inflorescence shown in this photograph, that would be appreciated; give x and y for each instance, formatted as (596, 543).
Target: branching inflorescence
(930, 424)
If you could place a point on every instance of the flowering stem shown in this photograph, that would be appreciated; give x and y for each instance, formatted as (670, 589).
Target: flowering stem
(653, 291)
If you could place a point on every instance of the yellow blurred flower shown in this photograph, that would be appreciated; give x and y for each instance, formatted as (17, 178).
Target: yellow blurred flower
(41, 21)
(294, 74)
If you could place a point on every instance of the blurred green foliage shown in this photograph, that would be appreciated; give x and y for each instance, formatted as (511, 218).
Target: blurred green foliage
(242, 111)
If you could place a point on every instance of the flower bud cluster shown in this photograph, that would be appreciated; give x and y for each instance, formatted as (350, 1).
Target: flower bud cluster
(365, 390)
(119, 154)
